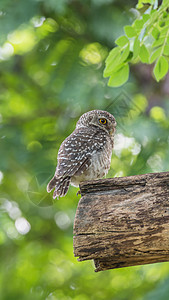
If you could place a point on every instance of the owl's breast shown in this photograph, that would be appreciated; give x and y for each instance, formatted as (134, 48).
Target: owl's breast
(98, 168)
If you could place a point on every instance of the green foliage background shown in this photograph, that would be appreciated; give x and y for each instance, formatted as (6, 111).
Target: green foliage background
(146, 41)
(52, 57)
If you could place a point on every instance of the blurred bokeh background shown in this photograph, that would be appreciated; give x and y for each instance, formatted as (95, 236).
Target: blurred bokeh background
(52, 56)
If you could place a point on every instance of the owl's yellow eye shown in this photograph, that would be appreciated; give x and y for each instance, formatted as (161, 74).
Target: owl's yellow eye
(103, 121)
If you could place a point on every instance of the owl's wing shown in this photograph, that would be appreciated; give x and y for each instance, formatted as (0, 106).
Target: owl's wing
(74, 155)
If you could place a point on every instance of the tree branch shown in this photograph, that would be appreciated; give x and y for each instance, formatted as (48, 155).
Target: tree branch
(123, 221)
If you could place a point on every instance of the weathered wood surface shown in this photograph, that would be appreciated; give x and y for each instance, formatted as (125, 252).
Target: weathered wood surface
(123, 221)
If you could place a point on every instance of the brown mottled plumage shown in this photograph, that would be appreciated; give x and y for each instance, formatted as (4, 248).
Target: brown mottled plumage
(86, 153)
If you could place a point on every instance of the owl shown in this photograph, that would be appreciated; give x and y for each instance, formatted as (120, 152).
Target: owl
(86, 153)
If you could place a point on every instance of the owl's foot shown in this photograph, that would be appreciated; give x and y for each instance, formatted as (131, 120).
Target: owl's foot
(78, 193)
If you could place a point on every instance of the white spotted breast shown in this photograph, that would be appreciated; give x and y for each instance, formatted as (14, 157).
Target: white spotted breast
(98, 167)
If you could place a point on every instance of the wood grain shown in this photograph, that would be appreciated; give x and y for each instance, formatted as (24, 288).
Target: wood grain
(123, 221)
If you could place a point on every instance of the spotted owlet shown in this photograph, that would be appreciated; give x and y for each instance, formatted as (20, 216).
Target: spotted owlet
(86, 153)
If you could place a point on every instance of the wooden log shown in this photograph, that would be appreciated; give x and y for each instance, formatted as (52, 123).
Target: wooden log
(123, 221)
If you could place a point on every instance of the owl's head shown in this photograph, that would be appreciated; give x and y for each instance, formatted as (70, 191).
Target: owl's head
(98, 118)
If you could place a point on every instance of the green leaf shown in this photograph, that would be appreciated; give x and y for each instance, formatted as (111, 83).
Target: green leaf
(130, 31)
(113, 53)
(125, 53)
(112, 61)
(122, 41)
(162, 23)
(146, 17)
(165, 15)
(138, 24)
(165, 2)
(120, 77)
(155, 55)
(115, 60)
(139, 5)
(161, 68)
(164, 31)
(166, 50)
(144, 54)
(155, 33)
(158, 42)
(142, 3)
(136, 47)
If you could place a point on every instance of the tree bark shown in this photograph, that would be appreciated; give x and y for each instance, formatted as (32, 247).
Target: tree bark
(123, 222)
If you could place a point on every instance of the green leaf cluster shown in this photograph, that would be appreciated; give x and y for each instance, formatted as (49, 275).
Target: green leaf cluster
(145, 41)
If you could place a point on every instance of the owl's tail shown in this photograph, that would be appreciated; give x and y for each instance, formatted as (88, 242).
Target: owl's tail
(60, 185)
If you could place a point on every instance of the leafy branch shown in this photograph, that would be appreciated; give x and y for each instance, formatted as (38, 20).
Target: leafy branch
(146, 41)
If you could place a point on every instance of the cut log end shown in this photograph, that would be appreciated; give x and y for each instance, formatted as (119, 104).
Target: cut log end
(123, 222)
